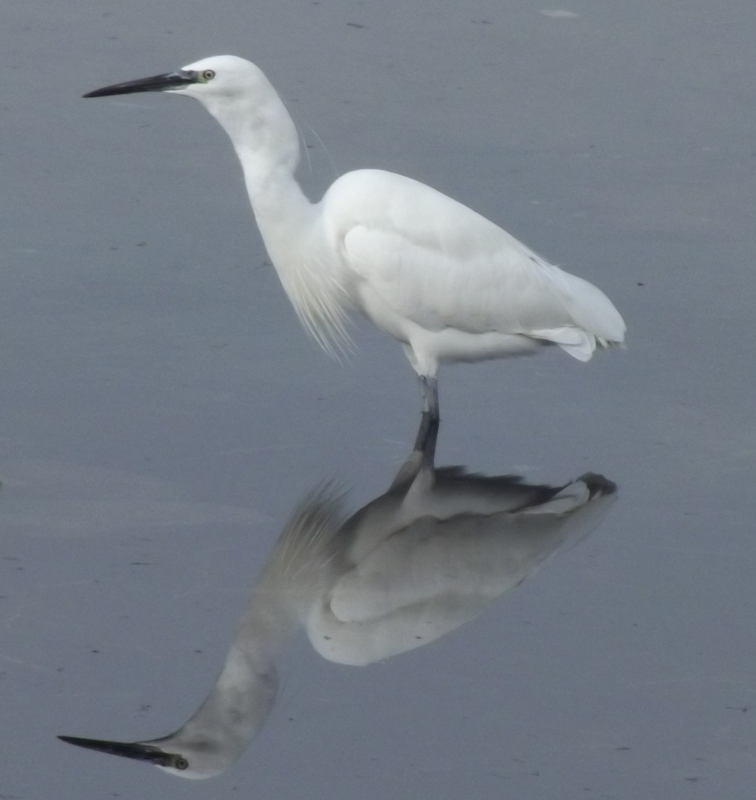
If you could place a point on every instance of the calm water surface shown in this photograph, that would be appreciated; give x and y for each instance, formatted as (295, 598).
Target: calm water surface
(163, 412)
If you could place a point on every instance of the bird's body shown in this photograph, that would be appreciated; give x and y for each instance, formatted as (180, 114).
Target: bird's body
(443, 280)
(449, 284)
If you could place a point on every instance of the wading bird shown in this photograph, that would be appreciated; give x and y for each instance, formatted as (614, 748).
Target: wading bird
(437, 276)
(417, 562)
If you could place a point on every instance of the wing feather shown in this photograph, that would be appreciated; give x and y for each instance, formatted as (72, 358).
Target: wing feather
(441, 265)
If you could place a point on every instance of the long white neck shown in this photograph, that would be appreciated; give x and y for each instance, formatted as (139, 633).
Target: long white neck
(266, 142)
(265, 139)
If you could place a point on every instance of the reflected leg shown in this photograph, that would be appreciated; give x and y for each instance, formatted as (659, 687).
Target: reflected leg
(422, 455)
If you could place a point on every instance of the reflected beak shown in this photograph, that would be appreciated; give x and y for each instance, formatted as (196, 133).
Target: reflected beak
(157, 83)
(140, 752)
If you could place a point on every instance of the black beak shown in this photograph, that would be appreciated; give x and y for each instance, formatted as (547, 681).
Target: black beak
(157, 83)
(140, 752)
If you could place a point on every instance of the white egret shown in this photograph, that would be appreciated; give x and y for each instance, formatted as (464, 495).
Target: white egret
(437, 276)
(423, 558)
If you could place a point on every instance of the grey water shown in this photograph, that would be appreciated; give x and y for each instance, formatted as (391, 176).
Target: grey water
(162, 412)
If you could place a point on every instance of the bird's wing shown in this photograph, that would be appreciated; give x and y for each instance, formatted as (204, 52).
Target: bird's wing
(439, 264)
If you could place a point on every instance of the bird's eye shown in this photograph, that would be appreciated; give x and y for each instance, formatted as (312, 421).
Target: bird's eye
(208, 75)
(180, 763)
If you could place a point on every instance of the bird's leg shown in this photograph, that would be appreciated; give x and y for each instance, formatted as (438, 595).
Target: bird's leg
(425, 443)
(429, 396)
(422, 455)
(424, 449)
(430, 418)
(426, 434)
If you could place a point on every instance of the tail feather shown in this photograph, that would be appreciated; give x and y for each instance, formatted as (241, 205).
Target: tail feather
(590, 310)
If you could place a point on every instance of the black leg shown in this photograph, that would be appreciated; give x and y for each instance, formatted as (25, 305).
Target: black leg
(422, 455)
(427, 434)
(429, 396)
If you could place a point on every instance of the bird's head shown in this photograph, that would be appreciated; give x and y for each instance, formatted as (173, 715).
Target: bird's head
(238, 95)
(208, 80)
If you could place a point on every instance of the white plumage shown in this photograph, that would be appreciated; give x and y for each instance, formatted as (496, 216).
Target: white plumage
(443, 280)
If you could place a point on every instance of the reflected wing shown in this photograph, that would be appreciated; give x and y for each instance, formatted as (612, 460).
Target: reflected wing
(433, 575)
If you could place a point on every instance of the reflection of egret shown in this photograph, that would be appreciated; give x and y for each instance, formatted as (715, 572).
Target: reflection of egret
(440, 278)
(412, 565)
